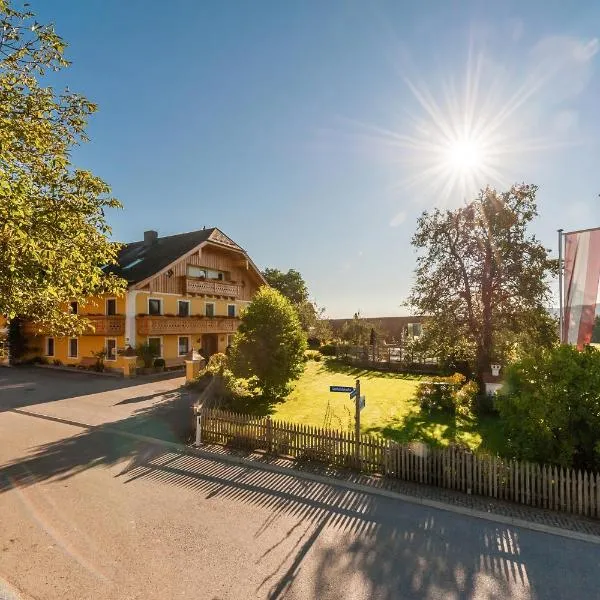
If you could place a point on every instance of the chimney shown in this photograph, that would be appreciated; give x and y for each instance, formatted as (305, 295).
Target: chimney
(150, 237)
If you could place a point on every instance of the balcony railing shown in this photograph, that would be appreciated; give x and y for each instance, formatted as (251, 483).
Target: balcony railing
(211, 287)
(99, 325)
(108, 326)
(161, 325)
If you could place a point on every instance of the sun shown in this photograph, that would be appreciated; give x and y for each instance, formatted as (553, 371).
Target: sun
(465, 155)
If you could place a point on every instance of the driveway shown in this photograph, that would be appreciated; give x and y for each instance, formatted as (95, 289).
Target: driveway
(82, 397)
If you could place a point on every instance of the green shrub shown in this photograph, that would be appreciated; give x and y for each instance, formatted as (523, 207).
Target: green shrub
(550, 405)
(438, 393)
(313, 343)
(312, 355)
(217, 364)
(328, 350)
(147, 353)
(159, 362)
(466, 399)
(269, 344)
(57, 363)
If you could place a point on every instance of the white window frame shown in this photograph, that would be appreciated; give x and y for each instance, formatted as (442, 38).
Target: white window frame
(69, 347)
(48, 338)
(161, 307)
(106, 306)
(213, 310)
(189, 307)
(189, 339)
(106, 340)
(160, 337)
(234, 310)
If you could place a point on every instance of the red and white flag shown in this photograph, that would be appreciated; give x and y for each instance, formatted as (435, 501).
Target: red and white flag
(582, 276)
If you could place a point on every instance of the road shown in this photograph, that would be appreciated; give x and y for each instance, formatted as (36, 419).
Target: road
(89, 513)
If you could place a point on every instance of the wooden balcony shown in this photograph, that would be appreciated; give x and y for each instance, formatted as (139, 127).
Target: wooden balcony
(161, 325)
(108, 326)
(211, 287)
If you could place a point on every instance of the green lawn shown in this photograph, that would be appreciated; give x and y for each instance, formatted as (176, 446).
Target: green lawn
(390, 411)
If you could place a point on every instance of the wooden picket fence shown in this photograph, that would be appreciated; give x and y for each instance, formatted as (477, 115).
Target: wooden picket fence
(452, 468)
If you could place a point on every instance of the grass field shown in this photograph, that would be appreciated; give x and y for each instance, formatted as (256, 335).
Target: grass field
(390, 411)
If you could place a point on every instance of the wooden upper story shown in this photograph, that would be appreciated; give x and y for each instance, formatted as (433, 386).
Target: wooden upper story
(199, 263)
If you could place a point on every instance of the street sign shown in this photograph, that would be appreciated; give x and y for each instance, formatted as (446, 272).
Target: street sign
(341, 388)
(353, 394)
(362, 402)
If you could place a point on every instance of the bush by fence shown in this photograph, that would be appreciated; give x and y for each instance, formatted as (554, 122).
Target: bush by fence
(452, 467)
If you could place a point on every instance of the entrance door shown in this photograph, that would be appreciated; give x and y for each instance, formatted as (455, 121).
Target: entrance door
(209, 344)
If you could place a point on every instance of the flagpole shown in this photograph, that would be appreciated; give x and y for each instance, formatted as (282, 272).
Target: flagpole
(560, 284)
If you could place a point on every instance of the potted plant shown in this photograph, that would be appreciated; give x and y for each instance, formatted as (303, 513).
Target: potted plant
(99, 356)
(159, 365)
(147, 354)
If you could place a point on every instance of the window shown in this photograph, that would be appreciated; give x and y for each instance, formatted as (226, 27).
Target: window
(210, 309)
(183, 308)
(155, 343)
(50, 346)
(74, 307)
(111, 349)
(231, 310)
(196, 271)
(154, 306)
(193, 271)
(230, 339)
(414, 330)
(111, 306)
(183, 345)
(73, 347)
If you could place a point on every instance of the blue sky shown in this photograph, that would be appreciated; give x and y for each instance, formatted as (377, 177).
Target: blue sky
(314, 133)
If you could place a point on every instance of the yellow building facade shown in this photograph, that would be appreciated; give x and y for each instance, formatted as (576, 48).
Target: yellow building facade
(185, 293)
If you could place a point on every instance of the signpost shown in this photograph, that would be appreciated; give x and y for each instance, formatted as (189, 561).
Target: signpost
(357, 422)
(359, 404)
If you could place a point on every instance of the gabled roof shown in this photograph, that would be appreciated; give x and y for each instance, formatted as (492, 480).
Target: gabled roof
(139, 261)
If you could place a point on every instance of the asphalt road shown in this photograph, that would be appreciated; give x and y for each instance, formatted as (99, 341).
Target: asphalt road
(93, 514)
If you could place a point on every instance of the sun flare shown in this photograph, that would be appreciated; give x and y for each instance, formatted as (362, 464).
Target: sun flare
(465, 155)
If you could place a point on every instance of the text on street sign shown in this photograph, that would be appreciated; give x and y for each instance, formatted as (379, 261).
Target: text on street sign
(341, 388)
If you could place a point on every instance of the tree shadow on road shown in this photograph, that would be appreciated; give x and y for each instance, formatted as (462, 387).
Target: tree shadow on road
(357, 543)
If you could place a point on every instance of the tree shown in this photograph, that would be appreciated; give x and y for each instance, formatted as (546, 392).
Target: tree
(358, 331)
(550, 406)
(482, 279)
(53, 233)
(294, 288)
(290, 284)
(269, 343)
(313, 321)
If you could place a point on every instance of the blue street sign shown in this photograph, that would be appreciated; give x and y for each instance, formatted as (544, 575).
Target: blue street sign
(353, 394)
(362, 402)
(341, 388)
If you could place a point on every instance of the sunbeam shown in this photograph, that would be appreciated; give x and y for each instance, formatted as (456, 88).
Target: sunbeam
(477, 126)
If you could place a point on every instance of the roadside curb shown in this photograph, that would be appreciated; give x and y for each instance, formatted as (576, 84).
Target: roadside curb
(331, 481)
(357, 487)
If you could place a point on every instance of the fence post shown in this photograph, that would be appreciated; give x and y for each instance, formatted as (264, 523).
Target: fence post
(198, 429)
(269, 435)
